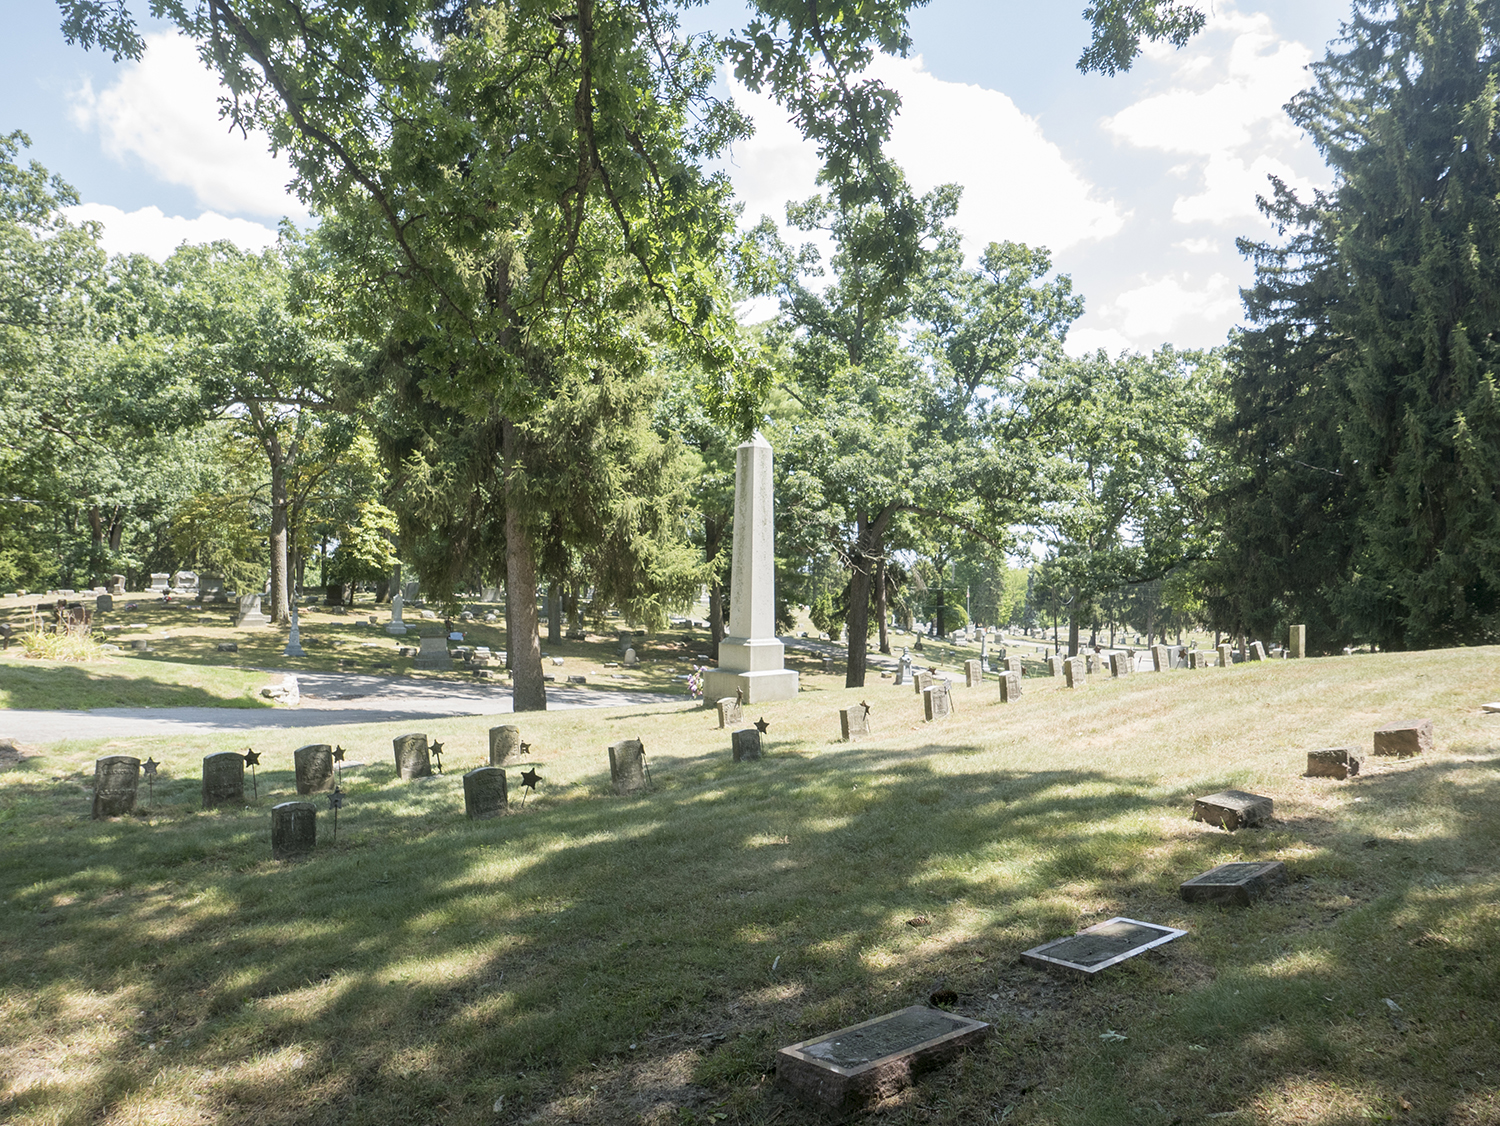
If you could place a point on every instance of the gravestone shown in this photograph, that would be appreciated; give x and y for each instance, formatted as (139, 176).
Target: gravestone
(751, 658)
(1233, 809)
(1096, 948)
(294, 829)
(185, 581)
(117, 584)
(1010, 687)
(1161, 658)
(396, 627)
(484, 793)
(211, 589)
(160, 582)
(1257, 652)
(1093, 663)
(854, 722)
(1333, 762)
(1074, 674)
(1407, 738)
(973, 673)
(922, 681)
(1055, 665)
(115, 780)
(1200, 659)
(505, 741)
(1298, 644)
(1014, 664)
(730, 711)
(1226, 655)
(746, 744)
(848, 1070)
(314, 768)
(294, 639)
(410, 591)
(1237, 883)
(104, 603)
(223, 779)
(412, 760)
(627, 766)
(433, 654)
(1121, 664)
(630, 659)
(935, 701)
(249, 612)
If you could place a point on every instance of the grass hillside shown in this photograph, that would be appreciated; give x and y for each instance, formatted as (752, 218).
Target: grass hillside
(599, 959)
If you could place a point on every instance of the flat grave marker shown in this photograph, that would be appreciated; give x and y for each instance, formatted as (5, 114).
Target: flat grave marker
(1238, 882)
(1096, 948)
(1233, 809)
(1407, 738)
(847, 1070)
(1333, 762)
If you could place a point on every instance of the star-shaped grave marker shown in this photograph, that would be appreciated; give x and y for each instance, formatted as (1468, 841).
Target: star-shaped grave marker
(525, 748)
(252, 759)
(529, 779)
(338, 754)
(149, 767)
(437, 754)
(762, 726)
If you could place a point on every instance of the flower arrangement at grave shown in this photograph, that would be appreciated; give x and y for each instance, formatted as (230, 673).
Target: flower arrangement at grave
(695, 681)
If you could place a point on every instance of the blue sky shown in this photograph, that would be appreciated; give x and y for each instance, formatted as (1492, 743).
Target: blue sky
(1139, 183)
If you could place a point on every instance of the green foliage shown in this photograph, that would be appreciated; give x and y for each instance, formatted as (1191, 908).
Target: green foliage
(364, 552)
(218, 533)
(826, 616)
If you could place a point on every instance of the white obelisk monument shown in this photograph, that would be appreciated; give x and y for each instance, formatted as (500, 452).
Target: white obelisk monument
(750, 657)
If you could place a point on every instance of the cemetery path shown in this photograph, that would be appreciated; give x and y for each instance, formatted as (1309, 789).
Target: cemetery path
(328, 700)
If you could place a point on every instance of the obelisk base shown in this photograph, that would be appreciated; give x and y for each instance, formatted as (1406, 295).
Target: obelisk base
(758, 687)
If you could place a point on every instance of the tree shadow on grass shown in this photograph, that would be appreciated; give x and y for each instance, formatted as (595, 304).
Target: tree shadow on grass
(611, 959)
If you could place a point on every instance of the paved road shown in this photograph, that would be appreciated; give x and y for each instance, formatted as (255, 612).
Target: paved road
(328, 699)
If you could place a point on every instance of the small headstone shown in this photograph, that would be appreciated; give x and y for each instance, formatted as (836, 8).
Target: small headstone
(1010, 687)
(1490, 709)
(115, 780)
(1121, 665)
(1410, 737)
(846, 1071)
(1055, 665)
(935, 701)
(228, 647)
(223, 779)
(1239, 883)
(923, 681)
(1348, 651)
(249, 613)
(484, 793)
(314, 768)
(104, 603)
(854, 722)
(729, 711)
(1013, 664)
(160, 582)
(1233, 809)
(745, 744)
(630, 659)
(294, 829)
(412, 760)
(1333, 762)
(1257, 651)
(627, 766)
(1298, 645)
(1200, 659)
(505, 741)
(1226, 655)
(973, 673)
(1161, 658)
(117, 584)
(577, 679)
(433, 654)
(1098, 947)
(1074, 674)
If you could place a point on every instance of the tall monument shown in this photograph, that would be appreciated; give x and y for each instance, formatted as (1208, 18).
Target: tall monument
(750, 657)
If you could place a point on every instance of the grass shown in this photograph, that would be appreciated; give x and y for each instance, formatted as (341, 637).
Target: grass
(600, 959)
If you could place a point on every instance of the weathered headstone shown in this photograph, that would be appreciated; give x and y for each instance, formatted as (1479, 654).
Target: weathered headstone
(314, 768)
(484, 793)
(627, 766)
(104, 603)
(1161, 658)
(1239, 883)
(117, 584)
(1226, 655)
(903, 671)
(854, 721)
(115, 780)
(433, 654)
(1075, 673)
(505, 741)
(294, 829)
(922, 681)
(1200, 659)
(1233, 809)
(185, 581)
(1055, 664)
(1096, 948)
(1333, 762)
(1257, 652)
(846, 1071)
(249, 612)
(1298, 644)
(935, 701)
(745, 744)
(1014, 664)
(412, 760)
(1120, 664)
(1010, 687)
(973, 673)
(223, 779)
(160, 582)
(630, 659)
(1407, 738)
(730, 711)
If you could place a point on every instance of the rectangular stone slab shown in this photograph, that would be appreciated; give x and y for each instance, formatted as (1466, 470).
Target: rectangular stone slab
(847, 1070)
(730, 711)
(1240, 882)
(1098, 947)
(1010, 687)
(854, 722)
(1233, 809)
(935, 701)
(1333, 762)
(973, 673)
(1409, 737)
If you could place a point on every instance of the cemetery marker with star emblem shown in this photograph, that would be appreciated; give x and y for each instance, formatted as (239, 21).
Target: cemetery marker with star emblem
(252, 760)
(149, 769)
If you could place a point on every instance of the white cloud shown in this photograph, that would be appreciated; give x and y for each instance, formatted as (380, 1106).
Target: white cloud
(1186, 310)
(1017, 184)
(1225, 111)
(163, 111)
(1198, 245)
(148, 231)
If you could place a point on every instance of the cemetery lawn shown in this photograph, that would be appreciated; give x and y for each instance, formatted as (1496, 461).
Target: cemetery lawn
(125, 682)
(601, 959)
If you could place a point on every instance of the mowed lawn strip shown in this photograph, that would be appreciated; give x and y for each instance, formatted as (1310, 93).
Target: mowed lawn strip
(592, 958)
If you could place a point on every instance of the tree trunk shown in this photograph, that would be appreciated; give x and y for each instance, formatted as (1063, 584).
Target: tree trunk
(868, 547)
(96, 552)
(1072, 635)
(713, 543)
(942, 610)
(529, 690)
(554, 614)
(880, 607)
(574, 607)
(280, 609)
(510, 622)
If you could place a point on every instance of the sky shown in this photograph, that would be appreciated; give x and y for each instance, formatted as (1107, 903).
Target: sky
(1139, 184)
